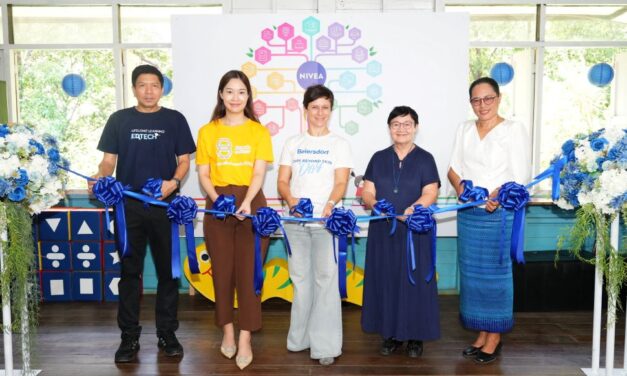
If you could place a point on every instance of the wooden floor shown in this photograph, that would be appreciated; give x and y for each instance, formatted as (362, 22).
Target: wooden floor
(81, 338)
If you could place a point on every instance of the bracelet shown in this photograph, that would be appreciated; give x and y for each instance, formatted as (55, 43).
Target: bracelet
(178, 182)
(333, 203)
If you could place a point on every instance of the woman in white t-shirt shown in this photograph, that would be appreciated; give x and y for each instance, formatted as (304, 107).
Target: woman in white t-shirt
(489, 151)
(315, 165)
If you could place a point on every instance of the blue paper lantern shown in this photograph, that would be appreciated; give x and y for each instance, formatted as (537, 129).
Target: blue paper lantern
(167, 85)
(601, 74)
(502, 73)
(73, 84)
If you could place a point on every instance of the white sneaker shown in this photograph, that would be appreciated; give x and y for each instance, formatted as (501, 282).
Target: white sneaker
(327, 361)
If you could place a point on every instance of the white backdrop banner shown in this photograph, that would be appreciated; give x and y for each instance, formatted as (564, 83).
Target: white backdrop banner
(371, 62)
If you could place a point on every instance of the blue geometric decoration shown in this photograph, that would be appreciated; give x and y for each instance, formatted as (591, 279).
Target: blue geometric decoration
(85, 225)
(87, 286)
(73, 84)
(53, 225)
(86, 256)
(167, 85)
(55, 255)
(111, 280)
(111, 257)
(601, 74)
(503, 73)
(56, 287)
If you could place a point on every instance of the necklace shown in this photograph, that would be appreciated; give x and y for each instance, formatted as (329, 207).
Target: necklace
(396, 178)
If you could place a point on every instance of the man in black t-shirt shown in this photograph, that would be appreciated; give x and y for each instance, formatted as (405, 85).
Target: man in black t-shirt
(147, 141)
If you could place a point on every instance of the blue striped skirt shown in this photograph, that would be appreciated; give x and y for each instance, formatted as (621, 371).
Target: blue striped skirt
(486, 287)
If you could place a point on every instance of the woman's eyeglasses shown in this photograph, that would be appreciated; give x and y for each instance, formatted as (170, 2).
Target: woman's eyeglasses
(487, 100)
(396, 125)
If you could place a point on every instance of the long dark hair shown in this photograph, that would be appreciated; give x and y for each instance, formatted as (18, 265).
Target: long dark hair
(220, 110)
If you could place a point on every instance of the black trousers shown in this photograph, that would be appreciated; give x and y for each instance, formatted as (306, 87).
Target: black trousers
(147, 225)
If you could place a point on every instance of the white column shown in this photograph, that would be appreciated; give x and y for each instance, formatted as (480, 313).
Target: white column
(6, 306)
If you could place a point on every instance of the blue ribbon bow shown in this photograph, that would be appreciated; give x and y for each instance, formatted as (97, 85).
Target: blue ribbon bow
(472, 193)
(514, 196)
(265, 223)
(111, 193)
(341, 223)
(152, 188)
(420, 221)
(304, 208)
(182, 211)
(224, 204)
(382, 207)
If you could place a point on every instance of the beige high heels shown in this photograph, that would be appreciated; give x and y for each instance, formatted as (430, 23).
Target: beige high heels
(228, 351)
(243, 361)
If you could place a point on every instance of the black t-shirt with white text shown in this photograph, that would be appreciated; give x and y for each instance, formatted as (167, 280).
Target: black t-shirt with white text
(146, 143)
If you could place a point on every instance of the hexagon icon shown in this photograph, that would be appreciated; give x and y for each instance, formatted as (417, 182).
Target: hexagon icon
(259, 107)
(359, 54)
(263, 55)
(249, 69)
(351, 128)
(364, 107)
(348, 80)
(374, 91)
(354, 33)
(254, 91)
(299, 44)
(285, 31)
(311, 26)
(373, 68)
(323, 43)
(292, 104)
(273, 128)
(275, 80)
(267, 34)
(336, 31)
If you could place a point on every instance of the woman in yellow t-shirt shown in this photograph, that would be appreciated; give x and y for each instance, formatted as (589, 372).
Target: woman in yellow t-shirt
(232, 156)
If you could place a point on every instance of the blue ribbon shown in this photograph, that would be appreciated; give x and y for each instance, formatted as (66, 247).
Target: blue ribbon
(224, 204)
(182, 211)
(265, 223)
(514, 196)
(304, 208)
(554, 171)
(341, 223)
(420, 221)
(472, 193)
(111, 193)
(382, 207)
(152, 188)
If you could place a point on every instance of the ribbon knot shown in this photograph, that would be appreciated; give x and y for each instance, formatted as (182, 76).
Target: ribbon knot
(341, 223)
(472, 193)
(225, 204)
(420, 221)
(181, 212)
(111, 193)
(265, 222)
(514, 196)
(152, 188)
(304, 208)
(384, 207)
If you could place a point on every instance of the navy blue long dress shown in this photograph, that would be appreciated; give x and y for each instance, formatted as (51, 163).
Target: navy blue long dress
(392, 306)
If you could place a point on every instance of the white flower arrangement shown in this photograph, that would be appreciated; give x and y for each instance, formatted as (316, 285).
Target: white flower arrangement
(29, 172)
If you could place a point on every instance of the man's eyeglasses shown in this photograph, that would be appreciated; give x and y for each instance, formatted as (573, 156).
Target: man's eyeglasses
(396, 125)
(487, 100)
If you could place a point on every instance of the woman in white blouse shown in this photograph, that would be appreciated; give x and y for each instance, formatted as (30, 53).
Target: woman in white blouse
(489, 151)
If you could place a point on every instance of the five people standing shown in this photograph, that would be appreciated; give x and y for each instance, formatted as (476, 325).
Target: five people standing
(233, 154)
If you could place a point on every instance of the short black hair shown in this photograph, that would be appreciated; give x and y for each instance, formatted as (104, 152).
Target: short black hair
(485, 80)
(145, 69)
(317, 91)
(403, 111)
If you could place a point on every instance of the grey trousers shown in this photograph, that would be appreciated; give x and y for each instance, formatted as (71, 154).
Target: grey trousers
(316, 319)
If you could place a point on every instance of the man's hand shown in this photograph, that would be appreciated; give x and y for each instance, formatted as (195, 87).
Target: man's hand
(167, 188)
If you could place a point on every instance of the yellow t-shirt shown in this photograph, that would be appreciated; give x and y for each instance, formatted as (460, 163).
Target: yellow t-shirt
(231, 151)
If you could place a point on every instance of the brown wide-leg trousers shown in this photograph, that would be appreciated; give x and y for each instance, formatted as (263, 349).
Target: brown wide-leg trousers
(231, 246)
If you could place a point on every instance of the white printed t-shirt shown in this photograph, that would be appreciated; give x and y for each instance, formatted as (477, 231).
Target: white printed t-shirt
(313, 161)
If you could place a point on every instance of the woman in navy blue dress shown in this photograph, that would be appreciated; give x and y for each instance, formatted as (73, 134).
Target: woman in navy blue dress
(405, 175)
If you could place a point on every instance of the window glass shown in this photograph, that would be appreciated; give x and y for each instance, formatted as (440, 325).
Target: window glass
(159, 57)
(77, 122)
(582, 23)
(571, 104)
(145, 24)
(500, 23)
(70, 24)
